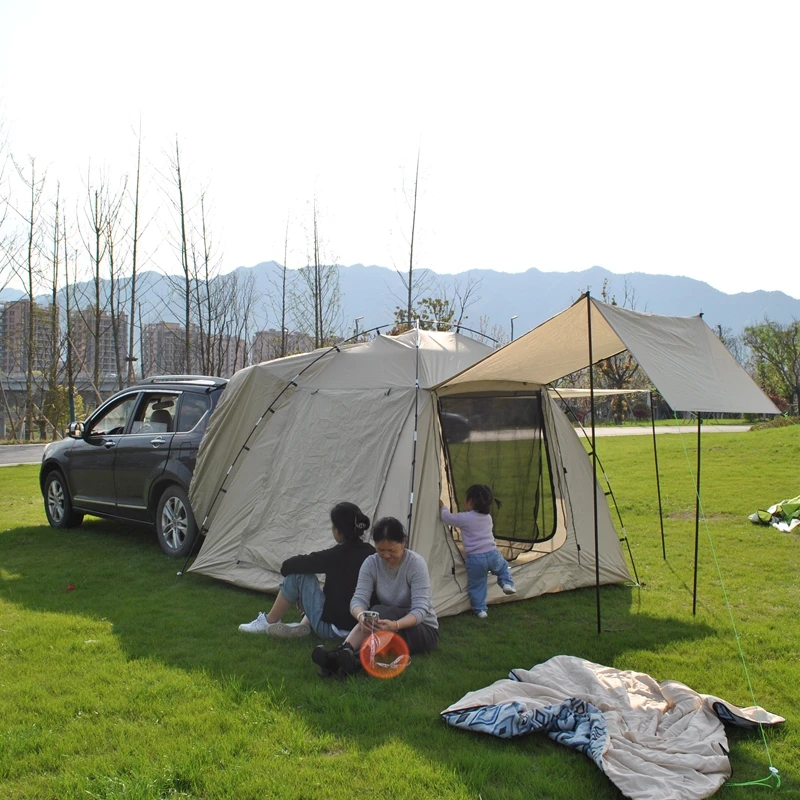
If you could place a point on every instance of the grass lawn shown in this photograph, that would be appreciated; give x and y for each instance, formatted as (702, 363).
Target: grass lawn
(120, 680)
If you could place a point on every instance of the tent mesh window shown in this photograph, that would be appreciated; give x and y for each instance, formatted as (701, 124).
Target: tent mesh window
(499, 440)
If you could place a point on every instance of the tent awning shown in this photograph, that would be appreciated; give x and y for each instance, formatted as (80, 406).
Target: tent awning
(688, 364)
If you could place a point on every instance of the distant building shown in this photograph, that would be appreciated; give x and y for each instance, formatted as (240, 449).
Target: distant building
(96, 335)
(14, 335)
(267, 345)
(164, 349)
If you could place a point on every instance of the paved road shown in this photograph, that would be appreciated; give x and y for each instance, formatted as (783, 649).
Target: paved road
(686, 430)
(11, 454)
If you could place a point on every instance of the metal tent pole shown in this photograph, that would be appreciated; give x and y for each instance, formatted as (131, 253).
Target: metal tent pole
(594, 461)
(697, 514)
(658, 478)
(414, 445)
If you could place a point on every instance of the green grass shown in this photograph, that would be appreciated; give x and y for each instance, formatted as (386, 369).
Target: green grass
(136, 684)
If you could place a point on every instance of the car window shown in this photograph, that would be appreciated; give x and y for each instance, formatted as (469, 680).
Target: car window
(194, 408)
(114, 418)
(155, 414)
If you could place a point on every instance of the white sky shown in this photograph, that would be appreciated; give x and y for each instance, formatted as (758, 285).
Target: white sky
(638, 136)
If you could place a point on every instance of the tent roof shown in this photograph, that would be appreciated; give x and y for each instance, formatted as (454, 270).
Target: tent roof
(688, 364)
(385, 361)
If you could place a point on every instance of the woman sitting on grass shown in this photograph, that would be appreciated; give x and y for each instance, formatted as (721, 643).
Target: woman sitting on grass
(326, 611)
(399, 578)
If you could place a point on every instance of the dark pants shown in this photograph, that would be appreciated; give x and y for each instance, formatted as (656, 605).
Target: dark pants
(420, 638)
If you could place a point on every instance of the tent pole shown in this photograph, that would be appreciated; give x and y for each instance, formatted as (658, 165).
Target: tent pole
(594, 462)
(414, 446)
(658, 477)
(697, 515)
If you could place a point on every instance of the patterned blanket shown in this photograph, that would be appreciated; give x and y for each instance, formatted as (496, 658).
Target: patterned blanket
(655, 741)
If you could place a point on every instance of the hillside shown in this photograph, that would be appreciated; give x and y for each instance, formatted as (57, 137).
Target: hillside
(373, 292)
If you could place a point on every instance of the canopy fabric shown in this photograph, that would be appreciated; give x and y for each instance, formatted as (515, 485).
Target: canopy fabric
(691, 368)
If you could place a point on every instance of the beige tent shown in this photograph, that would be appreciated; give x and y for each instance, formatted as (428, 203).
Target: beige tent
(294, 436)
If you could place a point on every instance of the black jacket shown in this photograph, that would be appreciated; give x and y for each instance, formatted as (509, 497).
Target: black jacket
(340, 565)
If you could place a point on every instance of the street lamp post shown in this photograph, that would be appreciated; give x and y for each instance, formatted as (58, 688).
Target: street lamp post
(358, 319)
(512, 326)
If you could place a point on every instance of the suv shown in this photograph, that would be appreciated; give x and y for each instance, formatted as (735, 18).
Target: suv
(133, 459)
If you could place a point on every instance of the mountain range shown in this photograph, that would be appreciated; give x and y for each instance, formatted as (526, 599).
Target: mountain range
(373, 292)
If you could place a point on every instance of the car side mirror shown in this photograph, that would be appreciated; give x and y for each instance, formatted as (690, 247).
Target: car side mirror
(75, 430)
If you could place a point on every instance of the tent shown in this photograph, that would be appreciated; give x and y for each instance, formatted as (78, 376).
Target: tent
(397, 423)
(364, 422)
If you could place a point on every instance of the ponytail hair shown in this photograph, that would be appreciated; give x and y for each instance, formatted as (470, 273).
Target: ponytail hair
(481, 497)
(349, 520)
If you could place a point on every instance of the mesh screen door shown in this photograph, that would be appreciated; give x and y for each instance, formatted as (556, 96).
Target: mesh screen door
(500, 440)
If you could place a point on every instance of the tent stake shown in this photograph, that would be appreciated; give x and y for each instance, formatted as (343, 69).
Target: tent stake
(658, 478)
(594, 463)
(697, 515)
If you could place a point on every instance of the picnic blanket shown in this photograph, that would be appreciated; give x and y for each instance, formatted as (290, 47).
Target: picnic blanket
(655, 741)
(785, 516)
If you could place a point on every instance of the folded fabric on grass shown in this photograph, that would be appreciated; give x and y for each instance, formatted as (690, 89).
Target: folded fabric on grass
(785, 516)
(654, 741)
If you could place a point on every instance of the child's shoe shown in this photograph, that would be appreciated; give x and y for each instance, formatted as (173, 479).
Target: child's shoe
(481, 614)
(509, 588)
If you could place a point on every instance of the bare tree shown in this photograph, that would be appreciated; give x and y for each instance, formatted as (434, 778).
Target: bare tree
(177, 198)
(279, 300)
(316, 299)
(6, 233)
(100, 317)
(28, 268)
(414, 284)
(131, 376)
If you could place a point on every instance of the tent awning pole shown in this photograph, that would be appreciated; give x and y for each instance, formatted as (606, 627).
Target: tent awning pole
(658, 477)
(594, 463)
(697, 514)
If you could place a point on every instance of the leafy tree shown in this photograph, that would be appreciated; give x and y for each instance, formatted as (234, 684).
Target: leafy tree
(432, 312)
(775, 357)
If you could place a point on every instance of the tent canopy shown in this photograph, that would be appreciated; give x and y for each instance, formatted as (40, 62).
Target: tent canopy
(688, 364)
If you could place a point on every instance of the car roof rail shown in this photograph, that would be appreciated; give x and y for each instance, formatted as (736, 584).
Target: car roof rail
(200, 380)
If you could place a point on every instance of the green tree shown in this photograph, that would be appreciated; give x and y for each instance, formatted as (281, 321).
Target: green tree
(433, 313)
(775, 357)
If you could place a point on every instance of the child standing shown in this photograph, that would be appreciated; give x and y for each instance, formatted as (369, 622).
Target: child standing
(483, 556)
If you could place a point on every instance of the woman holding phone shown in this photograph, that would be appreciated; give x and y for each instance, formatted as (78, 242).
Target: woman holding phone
(398, 578)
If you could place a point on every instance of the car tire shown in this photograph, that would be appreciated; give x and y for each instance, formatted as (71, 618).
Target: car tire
(58, 503)
(175, 525)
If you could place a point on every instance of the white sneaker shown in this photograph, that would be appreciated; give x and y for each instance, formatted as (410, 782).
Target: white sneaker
(289, 630)
(481, 614)
(509, 588)
(258, 625)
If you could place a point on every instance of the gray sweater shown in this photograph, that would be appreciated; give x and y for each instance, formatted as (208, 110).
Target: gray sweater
(408, 586)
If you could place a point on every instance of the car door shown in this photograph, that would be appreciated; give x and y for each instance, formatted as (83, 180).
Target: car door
(143, 453)
(194, 413)
(91, 459)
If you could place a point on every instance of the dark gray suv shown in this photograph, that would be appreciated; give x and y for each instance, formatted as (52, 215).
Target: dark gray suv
(133, 459)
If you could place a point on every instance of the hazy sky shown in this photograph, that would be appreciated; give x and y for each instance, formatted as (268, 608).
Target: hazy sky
(638, 136)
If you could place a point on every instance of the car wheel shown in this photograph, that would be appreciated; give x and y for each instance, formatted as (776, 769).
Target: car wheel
(175, 525)
(58, 503)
